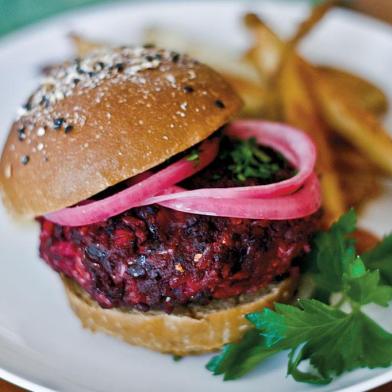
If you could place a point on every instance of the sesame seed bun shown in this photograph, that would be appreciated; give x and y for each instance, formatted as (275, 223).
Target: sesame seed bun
(194, 330)
(97, 121)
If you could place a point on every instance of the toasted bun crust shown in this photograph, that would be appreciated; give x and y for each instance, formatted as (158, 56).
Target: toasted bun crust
(119, 112)
(197, 329)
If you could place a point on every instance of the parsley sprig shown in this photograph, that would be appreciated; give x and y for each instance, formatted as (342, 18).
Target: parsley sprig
(250, 161)
(323, 340)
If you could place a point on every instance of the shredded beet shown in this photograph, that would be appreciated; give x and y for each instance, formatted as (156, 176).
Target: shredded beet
(153, 257)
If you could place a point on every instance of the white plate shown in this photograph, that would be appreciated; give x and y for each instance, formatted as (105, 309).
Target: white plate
(42, 346)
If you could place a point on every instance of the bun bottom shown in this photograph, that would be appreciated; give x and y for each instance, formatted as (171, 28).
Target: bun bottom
(193, 329)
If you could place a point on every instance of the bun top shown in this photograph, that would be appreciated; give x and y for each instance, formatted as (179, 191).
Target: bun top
(97, 121)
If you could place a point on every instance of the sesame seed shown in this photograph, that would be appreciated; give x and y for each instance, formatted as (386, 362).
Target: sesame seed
(24, 159)
(58, 123)
(219, 104)
(184, 106)
(40, 147)
(41, 131)
(68, 129)
(45, 101)
(21, 134)
(119, 67)
(189, 89)
(170, 78)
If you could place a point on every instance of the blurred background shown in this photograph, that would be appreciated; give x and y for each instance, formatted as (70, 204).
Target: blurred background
(17, 13)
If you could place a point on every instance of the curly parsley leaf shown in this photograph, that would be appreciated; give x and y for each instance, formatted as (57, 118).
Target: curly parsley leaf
(380, 258)
(321, 336)
(363, 287)
(237, 359)
(314, 333)
(332, 252)
(339, 342)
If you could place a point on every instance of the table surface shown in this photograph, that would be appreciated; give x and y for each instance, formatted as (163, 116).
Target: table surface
(17, 13)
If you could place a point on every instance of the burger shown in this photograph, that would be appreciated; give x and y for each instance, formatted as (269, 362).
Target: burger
(166, 220)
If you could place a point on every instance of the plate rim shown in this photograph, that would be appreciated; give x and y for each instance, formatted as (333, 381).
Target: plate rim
(81, 11)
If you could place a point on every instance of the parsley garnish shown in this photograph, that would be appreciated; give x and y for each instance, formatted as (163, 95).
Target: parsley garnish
(381, 258)
(327, 337)
(250, 161)
(177, 358)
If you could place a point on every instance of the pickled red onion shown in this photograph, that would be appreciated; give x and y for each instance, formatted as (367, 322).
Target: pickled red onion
(302, 203)
(293, 144)
(282, 200)
(135, 195)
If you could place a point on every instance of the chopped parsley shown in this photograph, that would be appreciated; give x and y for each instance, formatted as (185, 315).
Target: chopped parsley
(249, 160)
(194, 155)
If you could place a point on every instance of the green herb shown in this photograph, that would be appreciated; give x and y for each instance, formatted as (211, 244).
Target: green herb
(331, 251)
(177, 358)
(237, 359)
(194, 155)
(329, 339)
(381, 258)
(250, 161)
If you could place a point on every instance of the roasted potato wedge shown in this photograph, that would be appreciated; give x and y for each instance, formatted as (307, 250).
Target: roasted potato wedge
(355, 124)
(299, 109)
(360, 91)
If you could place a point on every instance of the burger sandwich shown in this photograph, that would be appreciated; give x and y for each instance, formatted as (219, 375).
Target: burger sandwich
(166, 220)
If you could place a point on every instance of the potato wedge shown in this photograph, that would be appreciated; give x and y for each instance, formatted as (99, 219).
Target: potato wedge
(266, 54)
(316, 14)
(360, 91)
(352, 122)
(300, 110)
(359, 180)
